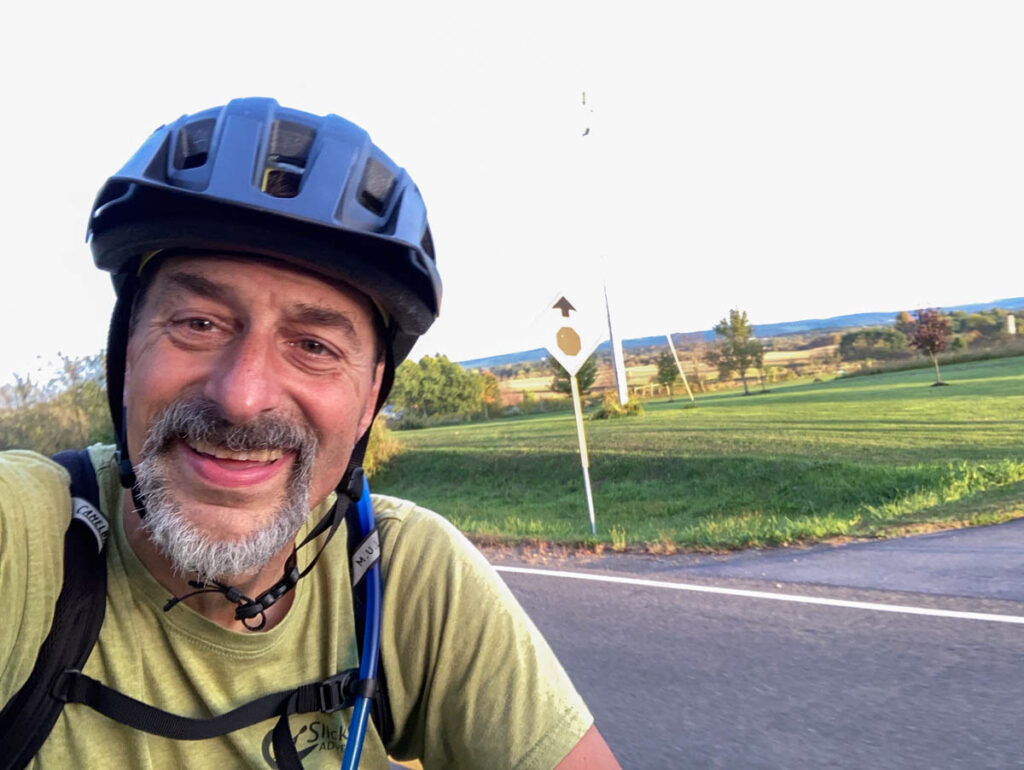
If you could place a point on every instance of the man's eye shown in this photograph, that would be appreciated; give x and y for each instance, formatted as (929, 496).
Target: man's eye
(199, 324)
(314, 347)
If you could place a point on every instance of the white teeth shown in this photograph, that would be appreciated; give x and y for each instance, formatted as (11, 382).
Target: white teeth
(259, 455)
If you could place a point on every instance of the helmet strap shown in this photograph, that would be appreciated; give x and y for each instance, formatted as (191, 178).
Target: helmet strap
(248, 610)
(117, 355)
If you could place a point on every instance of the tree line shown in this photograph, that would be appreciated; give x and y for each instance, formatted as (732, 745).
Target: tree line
(929, 331)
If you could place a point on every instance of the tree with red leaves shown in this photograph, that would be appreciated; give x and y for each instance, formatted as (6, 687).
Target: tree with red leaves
(930, 334)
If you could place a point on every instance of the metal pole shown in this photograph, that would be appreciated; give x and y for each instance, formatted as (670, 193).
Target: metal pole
(679, 366)
(584, 457)
(618, 364)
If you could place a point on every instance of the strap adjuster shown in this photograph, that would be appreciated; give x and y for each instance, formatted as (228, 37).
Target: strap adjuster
(61, 688)
(335, 693)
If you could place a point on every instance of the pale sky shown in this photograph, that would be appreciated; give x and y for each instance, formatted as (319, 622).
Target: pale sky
(794, 159)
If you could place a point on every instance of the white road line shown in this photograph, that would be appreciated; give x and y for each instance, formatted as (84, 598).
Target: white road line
(767, 595)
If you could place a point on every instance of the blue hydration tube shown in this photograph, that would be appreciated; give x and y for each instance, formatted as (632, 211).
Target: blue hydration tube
(371, 639)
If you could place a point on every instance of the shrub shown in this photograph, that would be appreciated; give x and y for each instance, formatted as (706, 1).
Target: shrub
(382, 446)
(408, 422)
(611, 408)
(618, 535)
(70, 412)
(882, 342)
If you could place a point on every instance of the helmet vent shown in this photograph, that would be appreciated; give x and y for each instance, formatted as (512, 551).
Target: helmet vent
(281, 183)
(193, 146)
(376, 187)
(287, 154)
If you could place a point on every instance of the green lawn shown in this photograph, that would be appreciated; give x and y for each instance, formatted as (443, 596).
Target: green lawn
(858, 457)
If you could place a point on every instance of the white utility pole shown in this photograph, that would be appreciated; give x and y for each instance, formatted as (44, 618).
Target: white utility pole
(618, 362)
(679, 366)
(594, 216)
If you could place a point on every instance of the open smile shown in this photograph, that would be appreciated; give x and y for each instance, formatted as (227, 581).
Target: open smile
(223, 467)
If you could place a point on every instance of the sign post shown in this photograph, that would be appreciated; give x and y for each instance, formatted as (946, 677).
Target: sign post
(571, 339)
(584, 457)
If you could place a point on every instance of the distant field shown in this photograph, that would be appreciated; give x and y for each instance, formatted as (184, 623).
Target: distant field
(640, 375)
(533, 384)
(782, 357)
(857, 457)
(512, 390)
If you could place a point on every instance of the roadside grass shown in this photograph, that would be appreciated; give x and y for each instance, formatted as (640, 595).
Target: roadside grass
(992, 506)
(864, 457)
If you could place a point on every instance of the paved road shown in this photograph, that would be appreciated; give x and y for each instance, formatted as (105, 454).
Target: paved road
(684, 679)
(985, 562)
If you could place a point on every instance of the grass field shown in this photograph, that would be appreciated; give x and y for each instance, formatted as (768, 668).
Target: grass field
(863, 456)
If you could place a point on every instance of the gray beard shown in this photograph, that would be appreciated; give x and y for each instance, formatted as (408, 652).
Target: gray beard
(190, 550)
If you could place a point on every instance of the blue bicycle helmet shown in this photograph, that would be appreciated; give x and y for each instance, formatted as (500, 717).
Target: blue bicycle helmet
(254, 177)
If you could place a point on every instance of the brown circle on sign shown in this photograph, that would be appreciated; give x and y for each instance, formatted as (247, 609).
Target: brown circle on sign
(568, 341)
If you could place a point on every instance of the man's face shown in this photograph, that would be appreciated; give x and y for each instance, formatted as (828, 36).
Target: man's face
(235, 369)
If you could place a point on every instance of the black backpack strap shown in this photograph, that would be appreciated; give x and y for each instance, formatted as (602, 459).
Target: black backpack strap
(83, 476)
(337, 692)
(28, 717)
(381, 709)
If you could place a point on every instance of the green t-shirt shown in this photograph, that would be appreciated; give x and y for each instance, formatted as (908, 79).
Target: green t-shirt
(472, 683)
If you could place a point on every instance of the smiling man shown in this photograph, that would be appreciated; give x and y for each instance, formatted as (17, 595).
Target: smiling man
(272, 268)
(235, 369)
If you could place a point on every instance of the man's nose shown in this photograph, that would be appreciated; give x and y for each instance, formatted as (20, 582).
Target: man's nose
(244, 382)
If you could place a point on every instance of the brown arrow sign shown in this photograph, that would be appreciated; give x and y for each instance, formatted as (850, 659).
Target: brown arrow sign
(564, 305)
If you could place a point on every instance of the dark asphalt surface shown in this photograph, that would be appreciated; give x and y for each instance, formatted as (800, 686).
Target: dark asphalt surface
(679, 679)
(983, 562)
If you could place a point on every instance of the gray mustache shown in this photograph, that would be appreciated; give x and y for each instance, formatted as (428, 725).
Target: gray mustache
(199, 419)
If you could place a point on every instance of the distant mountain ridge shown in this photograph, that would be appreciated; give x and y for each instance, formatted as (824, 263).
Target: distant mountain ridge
(764, 331)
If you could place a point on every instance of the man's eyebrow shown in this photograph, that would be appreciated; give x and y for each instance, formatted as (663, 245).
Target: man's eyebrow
(300, 312)
(318, 315)
(198, 284)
